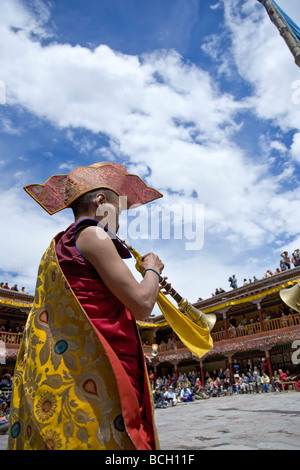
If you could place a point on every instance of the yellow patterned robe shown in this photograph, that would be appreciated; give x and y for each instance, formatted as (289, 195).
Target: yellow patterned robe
(69, 389)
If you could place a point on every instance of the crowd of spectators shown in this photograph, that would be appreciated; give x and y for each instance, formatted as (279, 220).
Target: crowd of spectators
(167, 391)
(4, 285)
(5, 397)
(287, 262)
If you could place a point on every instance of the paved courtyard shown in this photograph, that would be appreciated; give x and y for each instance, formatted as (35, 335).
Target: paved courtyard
(239, 422)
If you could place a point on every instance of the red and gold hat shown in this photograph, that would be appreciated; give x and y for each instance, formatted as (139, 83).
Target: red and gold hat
(59, 191)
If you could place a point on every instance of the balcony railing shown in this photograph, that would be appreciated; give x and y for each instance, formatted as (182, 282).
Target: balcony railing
(254, 328)
(10, 338)
(247, 330)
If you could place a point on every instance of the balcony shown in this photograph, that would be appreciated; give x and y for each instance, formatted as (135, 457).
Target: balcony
(252, 336)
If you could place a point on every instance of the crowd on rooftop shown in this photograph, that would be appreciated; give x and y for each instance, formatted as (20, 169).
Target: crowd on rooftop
(4, 285)
(286, 263)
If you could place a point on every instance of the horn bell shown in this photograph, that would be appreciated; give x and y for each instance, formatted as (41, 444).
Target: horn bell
(291, 296)
(197, 316)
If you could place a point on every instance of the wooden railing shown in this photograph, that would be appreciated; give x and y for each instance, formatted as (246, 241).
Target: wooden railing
(247, 330)
(10, 338)
(254, 328)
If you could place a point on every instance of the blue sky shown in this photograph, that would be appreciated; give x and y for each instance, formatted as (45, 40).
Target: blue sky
(200, 98)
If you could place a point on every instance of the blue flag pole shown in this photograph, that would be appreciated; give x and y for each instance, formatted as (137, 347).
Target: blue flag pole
(286, 27)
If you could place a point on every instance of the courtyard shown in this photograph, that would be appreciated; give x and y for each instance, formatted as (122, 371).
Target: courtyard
(268, 421)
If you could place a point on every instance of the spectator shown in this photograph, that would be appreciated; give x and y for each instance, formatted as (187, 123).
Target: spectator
(264, 365)
(249, 366)
(265, 380)
(233, 282)
(268, 273)
(257, 380)
(286, 259)
(198, 391)
(152, 379)
(15, 288)
(282, 378)
(296, 258)
(245, 383)
(227, 387)
(236, 367)
(275, 381)
(237, 386)
(186, 394)
(6, 382)
(159, 400)
(251, 382)
(6, 286)
(170, 396)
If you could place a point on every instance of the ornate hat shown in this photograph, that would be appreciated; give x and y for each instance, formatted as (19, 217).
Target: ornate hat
(59, 191)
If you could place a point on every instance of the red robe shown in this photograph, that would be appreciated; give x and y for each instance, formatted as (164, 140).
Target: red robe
(114, 325)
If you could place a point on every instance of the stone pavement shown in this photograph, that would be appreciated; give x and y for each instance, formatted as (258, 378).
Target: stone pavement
(268, 421)
(240, 422)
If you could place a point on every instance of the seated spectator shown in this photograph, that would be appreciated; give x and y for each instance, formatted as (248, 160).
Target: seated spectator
(218, 387)
(265, 380)
(268, 273)
(275, 381)
(170, 396)
(245, 383)
(6, 382)
(257, 380)
(251, 382)
(237, 386)
(186, 394)
(159, 400)
(227, 387)
(6, 286)
(282, 378)
(198, 391)
(15, 288)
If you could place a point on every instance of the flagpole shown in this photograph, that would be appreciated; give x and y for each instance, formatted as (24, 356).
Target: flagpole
(283, 28)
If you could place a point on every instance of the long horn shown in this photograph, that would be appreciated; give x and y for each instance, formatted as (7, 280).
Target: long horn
(197, 316)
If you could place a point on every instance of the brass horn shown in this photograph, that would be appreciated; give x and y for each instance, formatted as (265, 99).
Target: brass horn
(291, 296)
(197, 316)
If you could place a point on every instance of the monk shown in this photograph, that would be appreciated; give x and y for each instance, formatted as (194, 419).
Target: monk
(80, 380)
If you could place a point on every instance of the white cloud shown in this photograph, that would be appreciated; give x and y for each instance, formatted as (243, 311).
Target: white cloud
(295, 148)
(171, 121)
